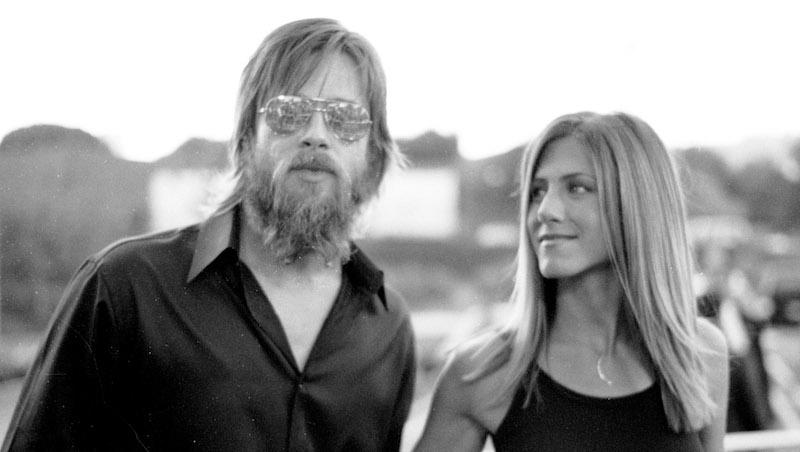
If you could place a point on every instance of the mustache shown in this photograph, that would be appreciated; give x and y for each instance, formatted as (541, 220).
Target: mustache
(315, 161)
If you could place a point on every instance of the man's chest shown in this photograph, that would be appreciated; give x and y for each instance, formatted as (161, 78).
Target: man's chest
(301, 311)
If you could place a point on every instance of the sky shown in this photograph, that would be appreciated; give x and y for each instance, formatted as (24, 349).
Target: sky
(146, 76)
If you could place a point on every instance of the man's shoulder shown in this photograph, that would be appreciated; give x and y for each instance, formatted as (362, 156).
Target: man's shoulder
(389, 314)
(156, 248)
(367, 275)
(124, 268)
(394, 301)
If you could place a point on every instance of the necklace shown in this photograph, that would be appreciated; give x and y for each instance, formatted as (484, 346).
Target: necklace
(600, 372)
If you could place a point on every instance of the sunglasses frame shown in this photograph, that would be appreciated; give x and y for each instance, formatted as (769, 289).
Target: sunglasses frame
(324, 106)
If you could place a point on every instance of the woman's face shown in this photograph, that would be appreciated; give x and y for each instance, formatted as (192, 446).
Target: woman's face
(564, 212)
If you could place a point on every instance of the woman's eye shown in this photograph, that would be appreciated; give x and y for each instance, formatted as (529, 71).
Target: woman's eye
(579, 188)
(537, 194)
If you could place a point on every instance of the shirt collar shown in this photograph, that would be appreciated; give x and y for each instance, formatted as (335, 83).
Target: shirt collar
(363, 272)
(216, 235)
(221, 231)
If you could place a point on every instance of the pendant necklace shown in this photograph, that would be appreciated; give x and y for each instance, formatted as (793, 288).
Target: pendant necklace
(600, 372)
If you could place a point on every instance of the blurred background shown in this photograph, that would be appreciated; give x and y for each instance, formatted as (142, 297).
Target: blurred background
(114, 121)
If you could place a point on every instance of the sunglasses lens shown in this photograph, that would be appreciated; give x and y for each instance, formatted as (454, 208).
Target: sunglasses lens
(287, 114)
(349, 121)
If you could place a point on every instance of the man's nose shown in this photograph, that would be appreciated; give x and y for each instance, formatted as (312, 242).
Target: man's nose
(316, 134)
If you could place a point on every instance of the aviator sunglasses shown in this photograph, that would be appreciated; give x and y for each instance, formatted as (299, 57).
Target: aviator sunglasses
(349, 121)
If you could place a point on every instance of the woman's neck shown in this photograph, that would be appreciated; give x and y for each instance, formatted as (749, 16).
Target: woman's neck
(590, 347)
(588, 310)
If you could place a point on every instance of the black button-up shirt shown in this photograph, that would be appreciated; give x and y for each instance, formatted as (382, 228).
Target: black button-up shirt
(167, 342)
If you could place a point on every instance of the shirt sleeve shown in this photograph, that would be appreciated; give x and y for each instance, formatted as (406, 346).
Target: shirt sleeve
(406, 393)
(64, 403)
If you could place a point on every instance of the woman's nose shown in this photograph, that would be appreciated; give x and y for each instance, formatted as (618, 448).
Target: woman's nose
(551, 207)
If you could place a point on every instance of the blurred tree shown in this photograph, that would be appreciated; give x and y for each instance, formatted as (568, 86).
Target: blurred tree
(769, 195)
(708, 183)
(709, 162)
(197, 153)
(794, 153)
(64, 196)
(764, 192)
(430, 150)
(490, 191)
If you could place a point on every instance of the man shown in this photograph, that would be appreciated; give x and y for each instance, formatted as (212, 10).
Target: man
(265, 327)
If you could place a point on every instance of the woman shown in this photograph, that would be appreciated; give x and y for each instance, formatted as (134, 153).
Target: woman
(604, 349)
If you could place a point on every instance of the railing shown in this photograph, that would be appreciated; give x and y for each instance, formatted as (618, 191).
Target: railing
(767, 440)
(785, 401)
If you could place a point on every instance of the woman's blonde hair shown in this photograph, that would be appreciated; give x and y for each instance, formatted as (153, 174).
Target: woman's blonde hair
(643, 216)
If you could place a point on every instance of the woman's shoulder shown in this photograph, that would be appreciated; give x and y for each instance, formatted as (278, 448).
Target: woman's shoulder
(460, 418)
(472, 376)
(477, 357)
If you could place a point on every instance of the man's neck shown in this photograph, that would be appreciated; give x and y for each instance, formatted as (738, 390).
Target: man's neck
(308, 268)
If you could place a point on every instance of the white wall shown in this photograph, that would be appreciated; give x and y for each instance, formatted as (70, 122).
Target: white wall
(415, 203)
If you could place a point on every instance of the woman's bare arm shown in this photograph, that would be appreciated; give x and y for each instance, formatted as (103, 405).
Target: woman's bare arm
(716, 356)
(451, 424)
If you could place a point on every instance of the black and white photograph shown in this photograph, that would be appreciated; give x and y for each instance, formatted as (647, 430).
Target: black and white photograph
(412, 226)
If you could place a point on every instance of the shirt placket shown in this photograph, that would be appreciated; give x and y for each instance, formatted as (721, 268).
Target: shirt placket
(299, 437)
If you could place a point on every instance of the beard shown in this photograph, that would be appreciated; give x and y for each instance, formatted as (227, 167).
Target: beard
(296, 218)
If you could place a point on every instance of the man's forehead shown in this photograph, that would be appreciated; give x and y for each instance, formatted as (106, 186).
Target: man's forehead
(336, 77)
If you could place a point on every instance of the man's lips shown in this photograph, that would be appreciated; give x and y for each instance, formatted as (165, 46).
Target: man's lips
(315, 169)
(314, 164)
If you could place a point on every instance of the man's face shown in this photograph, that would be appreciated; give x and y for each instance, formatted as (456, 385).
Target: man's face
(304, 188)
(336, 80)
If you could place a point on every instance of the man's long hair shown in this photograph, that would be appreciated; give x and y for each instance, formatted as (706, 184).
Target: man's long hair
(643, 217)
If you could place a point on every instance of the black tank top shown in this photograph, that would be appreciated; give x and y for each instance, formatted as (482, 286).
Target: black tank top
(565, 420)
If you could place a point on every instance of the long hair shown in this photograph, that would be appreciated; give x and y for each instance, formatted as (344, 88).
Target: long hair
(282, 64)
(643, 217)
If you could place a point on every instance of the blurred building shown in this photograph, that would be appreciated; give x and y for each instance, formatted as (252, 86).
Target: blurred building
(423, 199)
(438, 196)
